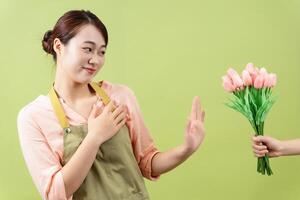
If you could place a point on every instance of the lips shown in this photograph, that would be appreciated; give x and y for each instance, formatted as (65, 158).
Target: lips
(89, 70)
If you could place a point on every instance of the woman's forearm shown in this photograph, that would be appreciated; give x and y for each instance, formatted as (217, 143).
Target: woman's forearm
(166, 161)
(77, 168)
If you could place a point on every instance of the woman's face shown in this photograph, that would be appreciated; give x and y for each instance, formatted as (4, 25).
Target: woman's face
(83, 56)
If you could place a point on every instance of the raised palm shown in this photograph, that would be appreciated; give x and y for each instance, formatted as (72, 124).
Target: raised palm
(194, 133)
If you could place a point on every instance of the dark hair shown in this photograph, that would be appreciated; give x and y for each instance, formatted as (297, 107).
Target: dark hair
(68, 26)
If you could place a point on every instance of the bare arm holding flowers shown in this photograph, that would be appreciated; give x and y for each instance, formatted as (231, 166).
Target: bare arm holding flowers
(262, 145)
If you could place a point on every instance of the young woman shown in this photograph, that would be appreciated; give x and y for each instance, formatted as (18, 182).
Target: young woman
(88, 140)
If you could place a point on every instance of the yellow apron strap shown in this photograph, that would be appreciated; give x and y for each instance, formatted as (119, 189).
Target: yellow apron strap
(58, 109)
(104, 97)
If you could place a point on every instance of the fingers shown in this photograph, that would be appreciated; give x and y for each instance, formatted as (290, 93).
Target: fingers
(120, 117)
(259, 149)
(122, 123)
(94, 112)
(188, 125)
(199, 108)
(193, 114)
(109, 107)
(197, 113)
(259, 139)
(99, 110)
(202, 116)
(117, 111)
(260, 154)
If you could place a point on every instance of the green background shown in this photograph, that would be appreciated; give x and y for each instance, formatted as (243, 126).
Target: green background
(168, 52)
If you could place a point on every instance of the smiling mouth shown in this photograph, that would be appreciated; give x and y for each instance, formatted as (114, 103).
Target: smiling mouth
(89, 70)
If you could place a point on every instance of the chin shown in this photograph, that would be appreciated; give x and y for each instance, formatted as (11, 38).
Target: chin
(84, 80)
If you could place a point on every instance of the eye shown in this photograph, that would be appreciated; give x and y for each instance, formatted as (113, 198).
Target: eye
(101, 53)
(88, 49)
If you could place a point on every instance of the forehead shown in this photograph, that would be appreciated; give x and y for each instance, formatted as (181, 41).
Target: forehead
(89, 33)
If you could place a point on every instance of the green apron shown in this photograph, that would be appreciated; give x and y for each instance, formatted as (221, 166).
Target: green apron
(115, 174)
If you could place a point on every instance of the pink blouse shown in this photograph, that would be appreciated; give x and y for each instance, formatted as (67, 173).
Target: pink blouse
(41, 138)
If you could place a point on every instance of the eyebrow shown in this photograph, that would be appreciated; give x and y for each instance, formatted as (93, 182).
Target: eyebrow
(93, 43)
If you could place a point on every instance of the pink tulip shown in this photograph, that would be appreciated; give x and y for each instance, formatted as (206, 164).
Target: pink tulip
(253, 71)
(237, 81)
(273, 80)
(267, 81)
(235, 78)
(246, 78)
(270, 80)
(250, 67)
(227, 84)
(263, 71)
(259, 82)
(231, 72)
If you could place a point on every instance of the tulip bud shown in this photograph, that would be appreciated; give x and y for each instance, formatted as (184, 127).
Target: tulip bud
(246, 78)
(250, 67)
(273, 80)
(227, 84)
(259, 82)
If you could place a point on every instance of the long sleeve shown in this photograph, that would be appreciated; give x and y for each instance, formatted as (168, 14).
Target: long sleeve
(142, 143)
(44, 165)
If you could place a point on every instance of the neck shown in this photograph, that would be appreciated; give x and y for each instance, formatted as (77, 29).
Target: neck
(70, 90)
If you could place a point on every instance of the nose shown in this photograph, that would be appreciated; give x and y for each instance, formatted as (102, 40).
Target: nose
(95, 59)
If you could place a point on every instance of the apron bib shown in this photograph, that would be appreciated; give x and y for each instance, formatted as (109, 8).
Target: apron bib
(115, 174)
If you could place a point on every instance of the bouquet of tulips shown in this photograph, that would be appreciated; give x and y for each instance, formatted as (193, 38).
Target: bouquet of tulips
(253, 98)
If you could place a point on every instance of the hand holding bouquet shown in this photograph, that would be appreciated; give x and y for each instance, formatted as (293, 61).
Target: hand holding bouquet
(253, 98)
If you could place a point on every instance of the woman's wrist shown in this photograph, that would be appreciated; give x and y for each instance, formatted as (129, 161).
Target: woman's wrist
(185, 151)
(94, 139)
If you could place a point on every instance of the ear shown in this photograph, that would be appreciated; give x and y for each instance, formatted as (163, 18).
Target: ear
(57, 46)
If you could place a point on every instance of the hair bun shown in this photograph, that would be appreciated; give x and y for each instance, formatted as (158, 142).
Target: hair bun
(47, 42)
